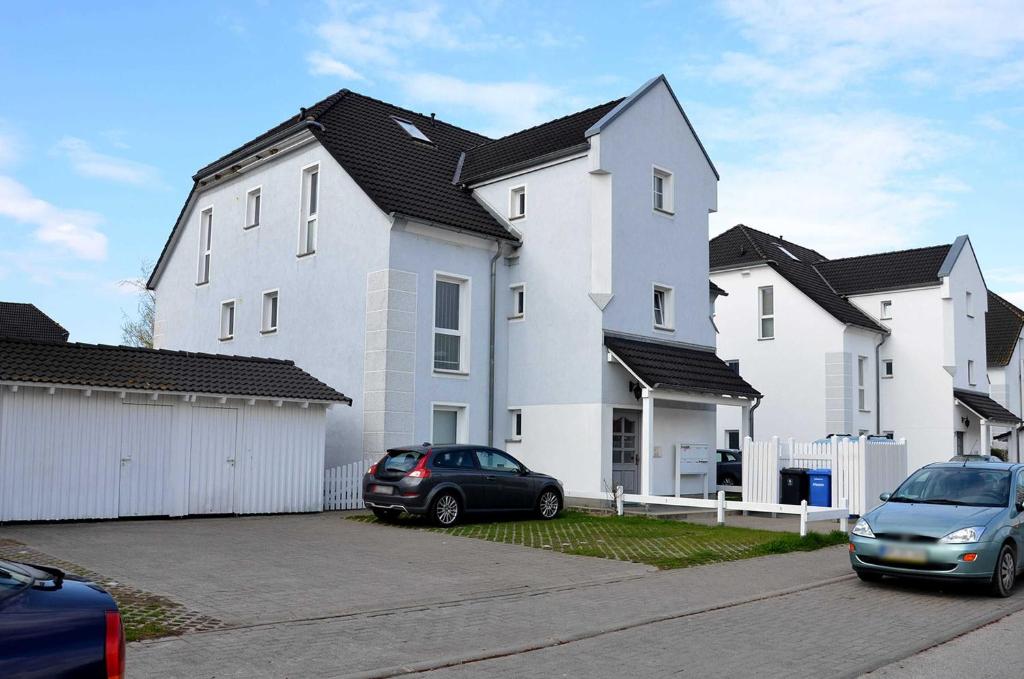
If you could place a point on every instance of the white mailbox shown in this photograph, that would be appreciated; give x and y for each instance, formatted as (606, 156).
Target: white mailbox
(694, 460)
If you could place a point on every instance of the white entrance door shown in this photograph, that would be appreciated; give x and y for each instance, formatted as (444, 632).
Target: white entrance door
(145, 454)
(626, 451)
(211, 470)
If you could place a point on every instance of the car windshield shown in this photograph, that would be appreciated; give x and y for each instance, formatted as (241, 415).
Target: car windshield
(956, 486)
(401, 460)
(13, 577)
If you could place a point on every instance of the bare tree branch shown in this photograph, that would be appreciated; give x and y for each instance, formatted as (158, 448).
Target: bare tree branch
(138, 332)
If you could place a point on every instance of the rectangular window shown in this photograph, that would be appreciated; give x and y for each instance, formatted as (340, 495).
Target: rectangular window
(451, 315)
(732, 439)
(969, 300)
(518, 301)
(887, 368)
(448, 425)
(735, 365)
(517, 423)
(663, 307)
(886, 312)
(970, 373)
(270, 311)
(766, 312)
(227, 319)
(205, 241)
(517, 203)
(662, 190)
(310, 210)
(252, 207)
(862, 394)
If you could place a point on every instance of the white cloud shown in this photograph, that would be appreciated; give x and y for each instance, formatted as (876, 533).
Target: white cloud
(841, 183)
(70, 230)
(90, 163)
(322, 64)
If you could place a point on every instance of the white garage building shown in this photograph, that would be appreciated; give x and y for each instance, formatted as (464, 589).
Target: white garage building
(93, 432)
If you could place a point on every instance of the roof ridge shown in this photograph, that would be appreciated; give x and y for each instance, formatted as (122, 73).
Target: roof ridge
(891, 252)
(538, 125)
(757, 248)
(148, 350)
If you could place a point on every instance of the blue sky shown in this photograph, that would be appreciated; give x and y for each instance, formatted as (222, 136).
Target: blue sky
(850, 127)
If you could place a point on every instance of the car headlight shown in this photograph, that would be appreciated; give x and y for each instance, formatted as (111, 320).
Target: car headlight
(862, 529)
(963, 536)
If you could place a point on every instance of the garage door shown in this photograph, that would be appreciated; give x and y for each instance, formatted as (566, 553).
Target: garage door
(145, 452)
(211, 474)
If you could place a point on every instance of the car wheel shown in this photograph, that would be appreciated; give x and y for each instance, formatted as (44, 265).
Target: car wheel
(549, 504)
(446, 510)
(388, 515)
(1005, 574)
(728, 481)
(869, 576)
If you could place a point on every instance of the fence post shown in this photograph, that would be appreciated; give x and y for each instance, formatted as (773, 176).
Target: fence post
(619, 509)
(721, 508)
(843, 525)
(803, 518)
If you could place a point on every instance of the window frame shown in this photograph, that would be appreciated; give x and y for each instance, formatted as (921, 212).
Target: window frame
(205, 263)
(667, 192)
(232, 319)
(258, 191)
(862, 378)
(971, 377)
(739, 443)
(762, 316)
(885, 310)
(516, 424)
(465, 302)
(518, 295)
(668, 323)
(513, 204)
(735, 367)
(969, 302)
(461, 411)
(272, 312)
(888, 369)
(306, 215)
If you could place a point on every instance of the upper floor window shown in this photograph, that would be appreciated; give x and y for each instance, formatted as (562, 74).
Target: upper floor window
(517, 203)
(969, 304)
(886, 310)
(766, 312)
(663, 307)
(227, 319)
(451, 321)
(970, 373)
(253, 202)
(270, 310)
(205, 239)
(411, 130)
(310, 210)
(518, 301)
(862, 392)
(662, 190)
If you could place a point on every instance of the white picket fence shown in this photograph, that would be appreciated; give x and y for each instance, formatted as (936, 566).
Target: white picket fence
(861, 469)
(343, 486)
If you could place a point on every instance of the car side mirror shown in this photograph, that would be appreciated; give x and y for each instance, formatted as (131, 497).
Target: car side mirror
(1020, 507)
(884, 497)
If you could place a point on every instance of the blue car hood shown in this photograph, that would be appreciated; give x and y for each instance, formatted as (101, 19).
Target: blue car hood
(931, 520)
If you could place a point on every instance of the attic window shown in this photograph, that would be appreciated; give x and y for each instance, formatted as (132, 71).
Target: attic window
(791, 255)
(412, 130)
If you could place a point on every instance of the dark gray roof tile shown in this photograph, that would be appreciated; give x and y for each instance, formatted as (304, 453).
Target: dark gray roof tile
(1004, 324)
(26, 321)
(983, 405)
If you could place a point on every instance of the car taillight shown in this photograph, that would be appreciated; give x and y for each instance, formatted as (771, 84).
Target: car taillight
(420, 471)
(372, 471)
(113, 649)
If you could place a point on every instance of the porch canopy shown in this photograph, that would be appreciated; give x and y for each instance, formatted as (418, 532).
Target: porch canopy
(676, 372)
(988, 412)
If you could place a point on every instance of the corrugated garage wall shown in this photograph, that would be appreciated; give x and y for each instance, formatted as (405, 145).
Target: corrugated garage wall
(70, 456)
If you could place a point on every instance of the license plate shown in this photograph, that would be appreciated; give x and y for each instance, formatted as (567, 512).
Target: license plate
(382, 490)
(903, 555)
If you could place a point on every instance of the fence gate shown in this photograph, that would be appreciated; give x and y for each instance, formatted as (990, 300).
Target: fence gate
(343, 486)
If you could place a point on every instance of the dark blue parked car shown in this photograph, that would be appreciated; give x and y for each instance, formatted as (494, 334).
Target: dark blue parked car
(57, 626)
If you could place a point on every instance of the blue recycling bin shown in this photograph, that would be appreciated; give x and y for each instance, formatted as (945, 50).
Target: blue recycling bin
(821, 487)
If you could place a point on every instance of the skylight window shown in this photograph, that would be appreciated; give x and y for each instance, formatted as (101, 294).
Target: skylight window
(412, 130)
(791, 255)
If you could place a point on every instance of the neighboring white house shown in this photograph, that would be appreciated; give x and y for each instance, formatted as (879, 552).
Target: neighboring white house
(1004, 327)
(890, 344)
(509, 292)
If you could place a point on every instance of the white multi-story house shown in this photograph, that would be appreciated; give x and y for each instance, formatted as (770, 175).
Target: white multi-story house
(890, 344)
(1004, 327)
(546, 292)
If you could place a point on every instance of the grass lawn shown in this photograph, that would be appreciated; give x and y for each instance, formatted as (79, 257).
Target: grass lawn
(658, 542)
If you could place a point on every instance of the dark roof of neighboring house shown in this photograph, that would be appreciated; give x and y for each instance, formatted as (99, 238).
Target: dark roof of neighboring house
(26, 321)
(984, 406)
(131, 368)
(1005, 436)
(1004, 324)
(717, 290)
(885, 271)
(528, 146)
(744, 245)
(672, 366)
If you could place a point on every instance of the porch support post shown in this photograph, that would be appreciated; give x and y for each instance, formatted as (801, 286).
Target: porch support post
(646, 441)
(986, 438)
(744, 422)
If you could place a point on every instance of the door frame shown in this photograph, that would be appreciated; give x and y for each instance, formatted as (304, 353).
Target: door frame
(638, 414)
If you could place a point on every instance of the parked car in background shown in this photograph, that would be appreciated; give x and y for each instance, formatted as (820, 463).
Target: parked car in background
(953, 521)
(56, 626)
(975, 458)
(445, 482)
(730, 467)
